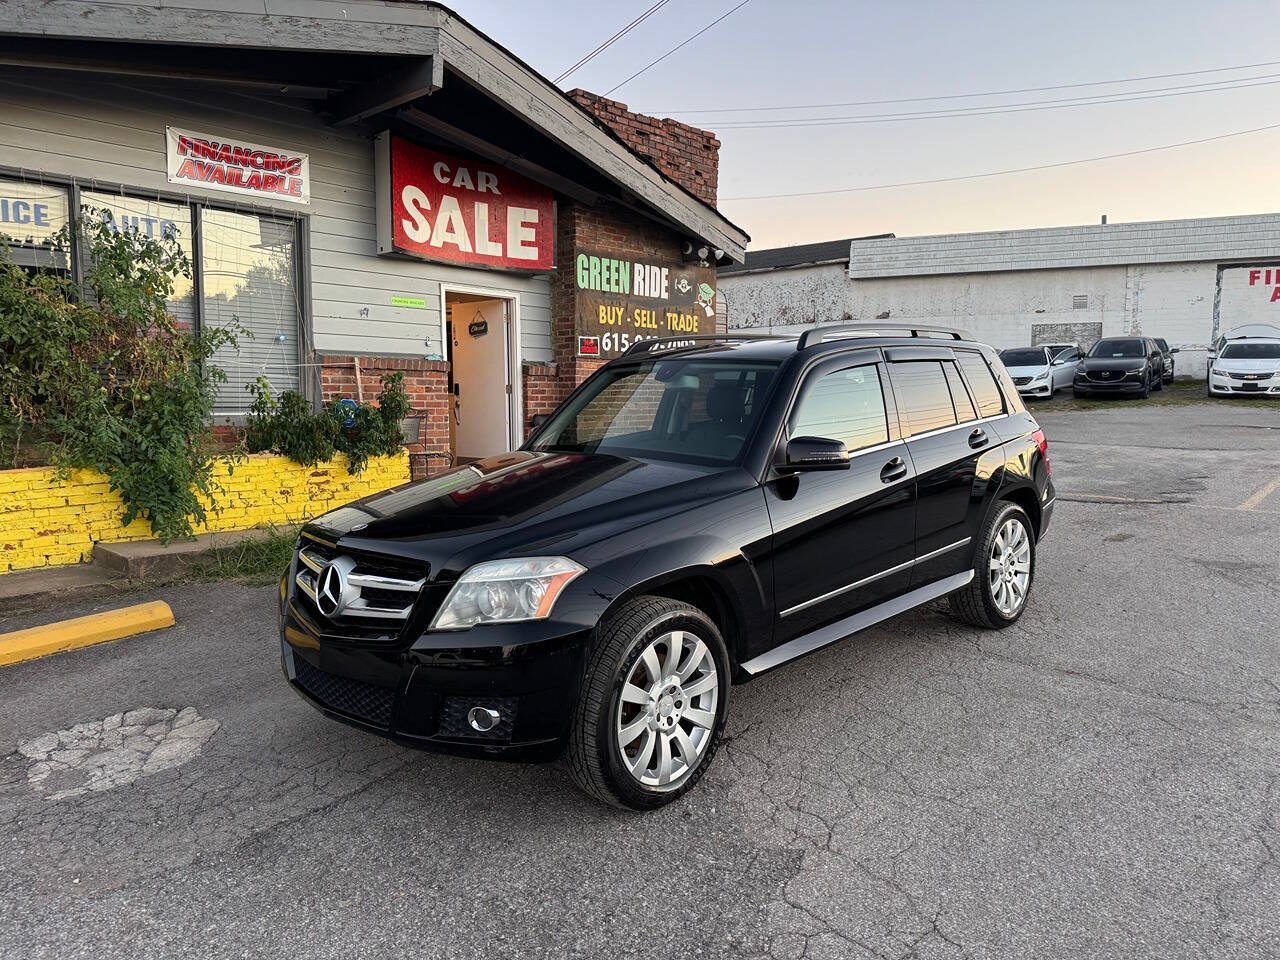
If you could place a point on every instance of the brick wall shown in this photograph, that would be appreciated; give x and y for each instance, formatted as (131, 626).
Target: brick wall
(425, 381)
(688, 155)
(47, 520)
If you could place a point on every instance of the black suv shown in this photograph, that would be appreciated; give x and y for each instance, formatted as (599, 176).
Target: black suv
(1121, 366)
(696, 513)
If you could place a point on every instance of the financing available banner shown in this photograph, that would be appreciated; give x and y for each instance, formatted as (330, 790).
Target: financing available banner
(232, 165)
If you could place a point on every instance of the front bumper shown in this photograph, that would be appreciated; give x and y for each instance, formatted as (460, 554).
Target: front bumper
(1112, 387)
(1038, 389)
(420, 693)
(1230, 386)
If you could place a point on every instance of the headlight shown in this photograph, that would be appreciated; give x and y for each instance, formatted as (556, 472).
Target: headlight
(1220, 373)
(1042, 375)
(506, 591)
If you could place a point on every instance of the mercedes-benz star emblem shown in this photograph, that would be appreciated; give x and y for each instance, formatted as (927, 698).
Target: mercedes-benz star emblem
(330, 586)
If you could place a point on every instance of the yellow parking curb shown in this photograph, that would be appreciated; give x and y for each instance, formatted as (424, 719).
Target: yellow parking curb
(83, 631)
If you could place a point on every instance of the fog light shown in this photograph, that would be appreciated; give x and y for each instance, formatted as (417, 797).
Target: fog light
(483, 719)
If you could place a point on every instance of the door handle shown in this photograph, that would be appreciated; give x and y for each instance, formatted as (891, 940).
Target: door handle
(977, 439)
(895, 469)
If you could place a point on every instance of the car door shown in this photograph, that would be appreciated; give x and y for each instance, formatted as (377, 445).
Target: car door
(1065, 371)
(843, 540)
(946, 440)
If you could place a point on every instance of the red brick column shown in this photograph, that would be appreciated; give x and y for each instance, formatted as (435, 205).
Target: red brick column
(425, 381)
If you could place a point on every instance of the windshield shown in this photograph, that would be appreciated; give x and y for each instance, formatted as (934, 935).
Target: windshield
(698, 411)
(1118, 348)
(1251, 351)
(1023, 358)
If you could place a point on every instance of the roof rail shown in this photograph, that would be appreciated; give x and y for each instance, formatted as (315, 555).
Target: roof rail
(674, 343)
(818, 334)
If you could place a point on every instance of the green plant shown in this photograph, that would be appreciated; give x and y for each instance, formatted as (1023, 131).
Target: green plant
(288, 426)
(109, 380)
(257, 560)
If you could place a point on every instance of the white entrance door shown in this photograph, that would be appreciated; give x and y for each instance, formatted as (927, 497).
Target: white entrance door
(482, 401)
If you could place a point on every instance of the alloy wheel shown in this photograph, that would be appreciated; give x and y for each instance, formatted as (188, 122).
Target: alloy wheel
(667, 711)
(1010, 567)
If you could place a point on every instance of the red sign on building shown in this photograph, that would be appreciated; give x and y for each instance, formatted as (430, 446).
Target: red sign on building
(448, 208)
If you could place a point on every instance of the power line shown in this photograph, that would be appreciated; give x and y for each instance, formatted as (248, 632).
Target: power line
(1001, 173)
(984, 111)
(617, 36)
(677, 47)
(964, 96)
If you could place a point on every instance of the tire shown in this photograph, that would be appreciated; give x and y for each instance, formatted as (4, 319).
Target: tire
(1078, 394)
(1158, 383)
(601, 717)
(1146, 387)
(979, 603)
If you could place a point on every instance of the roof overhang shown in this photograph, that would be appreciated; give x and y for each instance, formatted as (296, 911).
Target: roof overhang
(420, 40)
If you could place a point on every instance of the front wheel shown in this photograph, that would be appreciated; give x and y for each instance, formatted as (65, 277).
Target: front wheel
(1146, 387)
(1003, 571)
(651, 709)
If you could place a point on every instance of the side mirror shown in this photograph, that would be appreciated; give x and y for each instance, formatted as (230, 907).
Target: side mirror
(1176, 350)
(539, 419)
(816, 453)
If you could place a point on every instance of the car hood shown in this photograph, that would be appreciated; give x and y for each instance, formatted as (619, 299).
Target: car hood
(1243, 365)
(520, 504)
(1112, 363)
(1032, 372)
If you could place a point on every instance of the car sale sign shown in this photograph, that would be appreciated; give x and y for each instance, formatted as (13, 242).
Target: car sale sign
(232, 165)
(457, 210)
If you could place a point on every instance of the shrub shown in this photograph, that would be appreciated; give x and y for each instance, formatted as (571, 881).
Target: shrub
(110, 381)
(288, 426)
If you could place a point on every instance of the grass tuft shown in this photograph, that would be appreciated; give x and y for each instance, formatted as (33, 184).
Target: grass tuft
(1184, 391)
(256, 562)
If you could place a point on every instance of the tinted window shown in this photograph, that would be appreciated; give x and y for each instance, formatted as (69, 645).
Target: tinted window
(959, 395)
(1251, 351)
(1119, 348)
(1163, 344)
(1022, 358)
(699, 411)
(923, 397)
(843, 405)
(982, 383)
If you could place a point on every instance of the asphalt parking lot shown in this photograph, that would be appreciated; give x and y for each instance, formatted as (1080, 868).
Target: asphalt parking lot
(1102, 780)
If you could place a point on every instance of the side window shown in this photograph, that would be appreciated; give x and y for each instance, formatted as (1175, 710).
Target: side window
(845, 405)
(965, 410)
(985, 391)
(924, 401)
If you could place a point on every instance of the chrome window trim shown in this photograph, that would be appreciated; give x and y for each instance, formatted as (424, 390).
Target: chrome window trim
(956, 426)
(874, 577)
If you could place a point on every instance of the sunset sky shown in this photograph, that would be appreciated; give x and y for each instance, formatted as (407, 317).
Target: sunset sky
(775, 53)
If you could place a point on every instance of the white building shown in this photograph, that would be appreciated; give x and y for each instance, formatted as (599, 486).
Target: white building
(1183, 280)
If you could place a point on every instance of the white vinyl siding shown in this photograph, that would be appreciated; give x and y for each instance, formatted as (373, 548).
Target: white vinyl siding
(114, 133)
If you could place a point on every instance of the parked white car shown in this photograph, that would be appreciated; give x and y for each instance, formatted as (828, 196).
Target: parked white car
(1246, 365)
(1041, 371)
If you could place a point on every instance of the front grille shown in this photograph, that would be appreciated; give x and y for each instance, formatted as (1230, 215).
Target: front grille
(1106, 376)
(1021, 381)
(355, 698)
(377, 594)
(1249, 376)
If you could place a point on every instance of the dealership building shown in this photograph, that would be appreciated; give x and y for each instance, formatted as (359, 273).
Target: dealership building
(364, 187)
(1186, 281)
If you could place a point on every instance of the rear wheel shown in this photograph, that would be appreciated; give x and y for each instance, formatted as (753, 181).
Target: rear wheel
(651, 710)
(1003, 571)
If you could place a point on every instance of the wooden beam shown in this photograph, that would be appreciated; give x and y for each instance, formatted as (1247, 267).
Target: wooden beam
(500, 155)
(418, 79)
(279, 87)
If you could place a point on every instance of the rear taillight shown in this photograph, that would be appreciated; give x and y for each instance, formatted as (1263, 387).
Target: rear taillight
(1043, 443)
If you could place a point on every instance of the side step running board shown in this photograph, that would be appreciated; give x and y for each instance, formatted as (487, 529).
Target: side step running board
(832, 632)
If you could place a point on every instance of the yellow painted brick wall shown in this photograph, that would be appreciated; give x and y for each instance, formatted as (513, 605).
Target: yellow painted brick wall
(45, 522)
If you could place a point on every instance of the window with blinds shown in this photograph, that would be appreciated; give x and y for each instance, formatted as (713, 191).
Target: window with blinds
(156, 219)
(249, 275)
(31, 214)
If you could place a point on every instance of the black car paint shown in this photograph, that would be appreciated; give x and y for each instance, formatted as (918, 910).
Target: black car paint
(1127, 374)
(751, 540)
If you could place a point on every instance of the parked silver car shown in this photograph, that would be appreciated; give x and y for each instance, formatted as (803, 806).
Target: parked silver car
(1041, 371)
